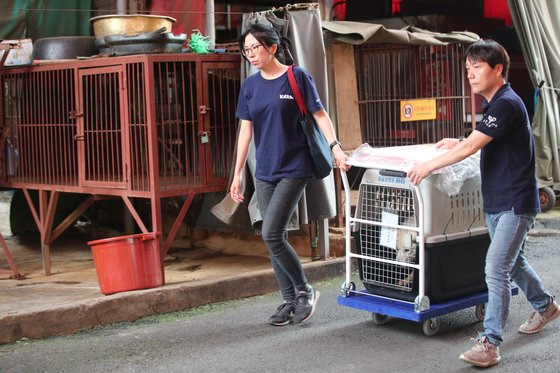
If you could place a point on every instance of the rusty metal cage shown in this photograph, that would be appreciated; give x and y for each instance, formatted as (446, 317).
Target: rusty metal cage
(390, 73)
(149, 126)
(90, 126)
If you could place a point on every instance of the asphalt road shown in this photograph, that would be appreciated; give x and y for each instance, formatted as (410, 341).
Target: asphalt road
(234, 337)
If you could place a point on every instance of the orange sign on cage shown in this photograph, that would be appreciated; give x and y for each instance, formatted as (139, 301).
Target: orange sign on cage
(418, 110)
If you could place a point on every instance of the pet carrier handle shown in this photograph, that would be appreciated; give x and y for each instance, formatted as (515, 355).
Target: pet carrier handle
(392, 173)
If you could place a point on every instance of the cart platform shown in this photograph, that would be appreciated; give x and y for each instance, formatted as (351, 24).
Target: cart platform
(405, 310)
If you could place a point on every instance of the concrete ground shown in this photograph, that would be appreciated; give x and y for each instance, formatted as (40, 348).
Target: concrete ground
(234, 336)
(219, 268)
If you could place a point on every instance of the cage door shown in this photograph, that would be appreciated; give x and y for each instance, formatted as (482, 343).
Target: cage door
(100, 133)
(220, 90)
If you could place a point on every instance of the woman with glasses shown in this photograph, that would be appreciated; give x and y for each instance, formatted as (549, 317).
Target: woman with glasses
(269, 113)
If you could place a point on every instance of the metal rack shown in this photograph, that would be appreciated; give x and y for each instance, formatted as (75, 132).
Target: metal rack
(143, 126)
(13, 272)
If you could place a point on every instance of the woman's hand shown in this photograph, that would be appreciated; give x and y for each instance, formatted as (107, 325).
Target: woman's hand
(340, 158)
(235, 189)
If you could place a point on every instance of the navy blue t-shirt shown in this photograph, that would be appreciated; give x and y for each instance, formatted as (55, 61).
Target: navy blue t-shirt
(281, 147)
(507, 163)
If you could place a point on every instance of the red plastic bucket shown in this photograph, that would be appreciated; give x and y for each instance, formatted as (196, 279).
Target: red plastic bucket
(127, 262)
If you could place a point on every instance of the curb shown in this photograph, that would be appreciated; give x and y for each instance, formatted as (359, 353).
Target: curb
(544, 232)
(130, 306)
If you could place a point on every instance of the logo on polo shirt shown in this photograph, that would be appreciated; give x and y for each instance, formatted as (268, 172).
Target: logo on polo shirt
(286, 97)
(490, 121)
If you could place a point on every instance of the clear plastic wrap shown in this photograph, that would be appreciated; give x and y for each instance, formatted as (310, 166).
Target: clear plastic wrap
(403, 158)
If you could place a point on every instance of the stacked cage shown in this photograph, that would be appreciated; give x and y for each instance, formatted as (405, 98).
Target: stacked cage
(388, 239)
(390, 73)
(136, 123)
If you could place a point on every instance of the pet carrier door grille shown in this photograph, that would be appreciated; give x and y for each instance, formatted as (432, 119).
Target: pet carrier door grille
(388, 205)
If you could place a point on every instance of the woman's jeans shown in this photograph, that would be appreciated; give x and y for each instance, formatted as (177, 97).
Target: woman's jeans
(277, 202)
(506, 261)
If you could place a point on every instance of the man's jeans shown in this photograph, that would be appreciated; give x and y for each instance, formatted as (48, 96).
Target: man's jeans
(277, 202)
(506, 261)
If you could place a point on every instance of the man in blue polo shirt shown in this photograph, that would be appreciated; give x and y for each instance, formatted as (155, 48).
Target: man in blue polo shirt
(510, 195)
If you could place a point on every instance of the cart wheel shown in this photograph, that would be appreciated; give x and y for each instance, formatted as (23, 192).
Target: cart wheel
(346, 288)
(547, 198)
(480, 311)
(379, 318)
(431, 326)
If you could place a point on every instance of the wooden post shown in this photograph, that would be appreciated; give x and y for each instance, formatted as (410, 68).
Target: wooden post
(346, 87)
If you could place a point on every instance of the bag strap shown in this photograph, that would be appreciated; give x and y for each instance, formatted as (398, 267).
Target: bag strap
(296, 91)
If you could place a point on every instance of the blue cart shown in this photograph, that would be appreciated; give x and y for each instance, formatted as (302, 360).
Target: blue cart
(416, 247)
(382, 308)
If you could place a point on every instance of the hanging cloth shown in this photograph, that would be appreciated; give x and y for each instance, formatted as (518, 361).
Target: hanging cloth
(537, 23)
(303, 28)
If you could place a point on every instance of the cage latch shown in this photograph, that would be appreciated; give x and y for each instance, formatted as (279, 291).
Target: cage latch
(203, 109)
(75, 115)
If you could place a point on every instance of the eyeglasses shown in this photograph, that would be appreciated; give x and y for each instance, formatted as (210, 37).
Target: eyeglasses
(252, 49)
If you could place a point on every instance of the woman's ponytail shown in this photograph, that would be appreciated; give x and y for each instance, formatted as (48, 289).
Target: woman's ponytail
(284, 54)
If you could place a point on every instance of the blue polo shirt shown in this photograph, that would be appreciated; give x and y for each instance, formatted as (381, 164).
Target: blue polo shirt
(281, 147)
(507, 163)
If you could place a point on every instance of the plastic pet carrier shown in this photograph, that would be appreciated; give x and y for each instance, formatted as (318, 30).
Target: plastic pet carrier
(387, 230)
(456, 238)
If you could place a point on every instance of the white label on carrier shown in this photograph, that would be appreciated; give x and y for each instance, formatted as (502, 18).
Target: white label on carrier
(388, 236)
(392, 180)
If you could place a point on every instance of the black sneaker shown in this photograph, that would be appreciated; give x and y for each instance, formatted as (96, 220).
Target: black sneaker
(306, 301)
(283, 315)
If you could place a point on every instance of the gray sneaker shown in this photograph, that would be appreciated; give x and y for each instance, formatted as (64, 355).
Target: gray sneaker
(537, 321)
(283, 315)
(484, 354)
(306, 301)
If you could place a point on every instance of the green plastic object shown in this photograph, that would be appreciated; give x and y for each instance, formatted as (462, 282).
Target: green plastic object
(198, 43)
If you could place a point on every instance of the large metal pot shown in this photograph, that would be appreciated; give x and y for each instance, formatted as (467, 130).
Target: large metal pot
(148, 42)
(129, 24)
(64, 47)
